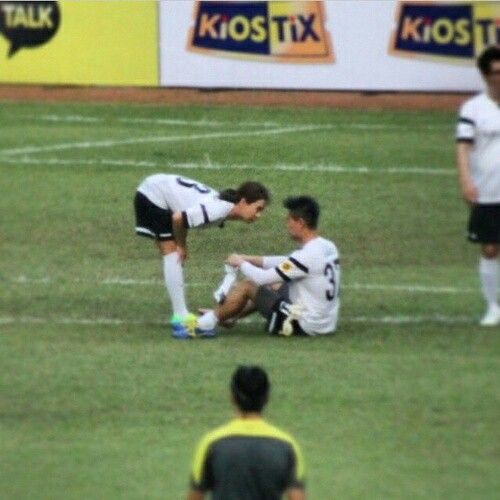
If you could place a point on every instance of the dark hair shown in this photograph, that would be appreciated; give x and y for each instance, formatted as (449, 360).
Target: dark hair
(303, 207)
(488, 55)
(251, 191)
(250, 388)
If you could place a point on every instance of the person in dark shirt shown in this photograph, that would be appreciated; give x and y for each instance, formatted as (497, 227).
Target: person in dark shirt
(248, 458)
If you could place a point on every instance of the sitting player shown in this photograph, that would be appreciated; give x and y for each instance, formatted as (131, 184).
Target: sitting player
(298, 294)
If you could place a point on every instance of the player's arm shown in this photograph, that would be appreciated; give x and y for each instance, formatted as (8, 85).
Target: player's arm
(258, 275)
(269, 261)
(199, 481)
(255, 260)
(180, 234)
(469, 191)
(209, 212)
(265, 262)
(296, 489)
(289, 268)
(252, 272)
(465, 134)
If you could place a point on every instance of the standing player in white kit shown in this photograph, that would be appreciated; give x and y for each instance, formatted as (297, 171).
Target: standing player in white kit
(167, 206)
(478, 161)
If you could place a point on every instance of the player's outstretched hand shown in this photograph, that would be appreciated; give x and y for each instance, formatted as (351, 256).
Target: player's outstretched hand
(235, 260)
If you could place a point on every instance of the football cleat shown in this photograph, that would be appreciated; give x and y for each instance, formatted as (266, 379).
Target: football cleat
(175, 319)
(180, 332)
(183, 327)
(293, 312)
(492, 316)
(205, 334)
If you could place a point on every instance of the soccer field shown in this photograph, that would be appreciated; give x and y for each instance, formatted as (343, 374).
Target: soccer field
(96, 399)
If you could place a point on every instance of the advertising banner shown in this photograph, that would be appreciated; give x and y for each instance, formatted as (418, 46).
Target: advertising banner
(457, 31)
(266, 31)
(79, 42)
(378, 45)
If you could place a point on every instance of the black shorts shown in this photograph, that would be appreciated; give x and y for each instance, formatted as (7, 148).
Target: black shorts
(484, 224)
(271, 303)
(152, 221)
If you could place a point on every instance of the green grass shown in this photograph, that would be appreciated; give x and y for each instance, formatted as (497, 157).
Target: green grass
(97, 401)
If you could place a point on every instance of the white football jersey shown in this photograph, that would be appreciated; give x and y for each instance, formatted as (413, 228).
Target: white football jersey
(199, 204)
(479, 123)
(313, 273)
(313, 277)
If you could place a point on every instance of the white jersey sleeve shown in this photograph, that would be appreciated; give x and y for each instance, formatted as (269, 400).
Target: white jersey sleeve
(275, 269)
(272, 260)
(206, 213)
(466, 125)
(294, 267)
(260, 276)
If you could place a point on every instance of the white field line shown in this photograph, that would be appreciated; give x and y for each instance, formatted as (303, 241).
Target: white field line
(218, 123)
(24, 280)
(104, 321)
(409, 320)
(198, 123)
(65, 118)
(153, 121)
(68, 146)
(411, 288)
(121, 281)
(208, 165)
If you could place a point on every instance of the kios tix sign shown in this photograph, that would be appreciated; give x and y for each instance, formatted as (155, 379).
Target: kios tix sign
(266, 30)
(455, 30)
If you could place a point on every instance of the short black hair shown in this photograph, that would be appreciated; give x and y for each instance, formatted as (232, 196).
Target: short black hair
(303, 207)
(488, 55)
(250, 388)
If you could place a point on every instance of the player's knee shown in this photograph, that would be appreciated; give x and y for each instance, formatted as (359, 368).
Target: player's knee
(490, 251)
(247, 288)
(167, 247)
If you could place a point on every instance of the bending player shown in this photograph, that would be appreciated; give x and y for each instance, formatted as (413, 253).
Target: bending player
(298, 294)
(167, 206)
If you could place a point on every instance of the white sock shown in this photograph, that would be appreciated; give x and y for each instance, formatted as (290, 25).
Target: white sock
(174, 283)
(208, 321)
(488, 273)
(230, 276)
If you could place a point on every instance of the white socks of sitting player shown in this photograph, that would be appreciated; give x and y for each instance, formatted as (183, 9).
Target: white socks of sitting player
(230, 276)
(174, 283)
(208, 321)
(488, 273)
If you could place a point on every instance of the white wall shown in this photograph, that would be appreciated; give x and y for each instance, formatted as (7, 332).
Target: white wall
(360, 31)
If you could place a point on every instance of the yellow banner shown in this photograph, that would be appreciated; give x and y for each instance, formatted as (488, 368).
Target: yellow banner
(81, 42)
